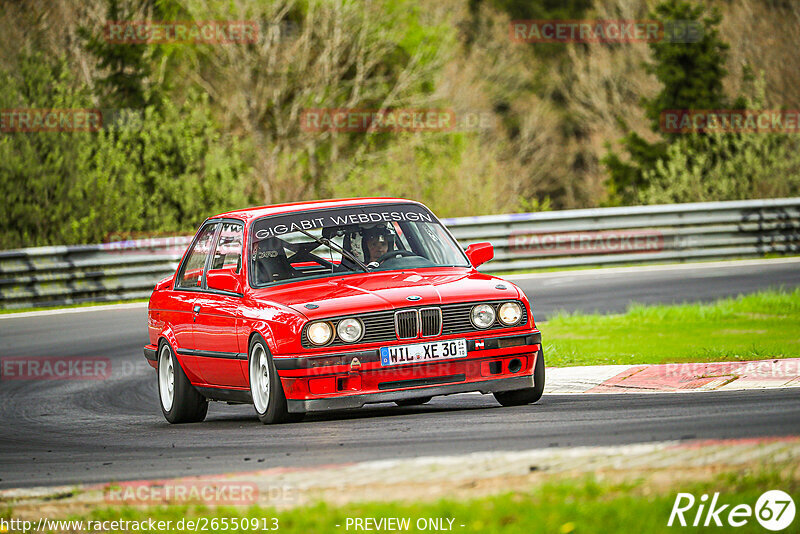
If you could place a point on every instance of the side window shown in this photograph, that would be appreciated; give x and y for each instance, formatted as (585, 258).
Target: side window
(228, 254)
(191, 276)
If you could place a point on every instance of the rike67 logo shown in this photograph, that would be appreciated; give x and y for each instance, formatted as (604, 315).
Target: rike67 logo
(774, 510)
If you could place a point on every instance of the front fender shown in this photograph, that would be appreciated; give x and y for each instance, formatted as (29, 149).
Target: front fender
(262, 328)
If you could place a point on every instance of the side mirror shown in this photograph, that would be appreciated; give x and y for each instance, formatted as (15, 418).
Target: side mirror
(223, 280)
(479, 253)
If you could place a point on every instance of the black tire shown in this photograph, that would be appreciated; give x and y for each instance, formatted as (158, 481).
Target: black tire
(270, 401)
(187, 404)
(413, 402)
(520, 397)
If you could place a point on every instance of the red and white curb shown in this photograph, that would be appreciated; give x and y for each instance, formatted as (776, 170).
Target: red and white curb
(675, 377)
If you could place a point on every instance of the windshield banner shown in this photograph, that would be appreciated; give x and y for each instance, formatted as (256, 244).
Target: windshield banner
(381, 213)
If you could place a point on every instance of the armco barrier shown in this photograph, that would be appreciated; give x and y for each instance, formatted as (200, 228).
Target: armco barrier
(52, 276)
(607, 236)
(604, 236)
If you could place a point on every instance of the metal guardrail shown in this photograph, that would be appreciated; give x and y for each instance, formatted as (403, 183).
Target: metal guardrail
(605, 236)
(640, 234)
(54, 276)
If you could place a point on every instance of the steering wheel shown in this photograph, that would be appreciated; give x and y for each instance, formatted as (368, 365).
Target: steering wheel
(395, 254)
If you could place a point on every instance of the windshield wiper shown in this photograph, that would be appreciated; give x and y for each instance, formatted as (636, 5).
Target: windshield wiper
(330, 244)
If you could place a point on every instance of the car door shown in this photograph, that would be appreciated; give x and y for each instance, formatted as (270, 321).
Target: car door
(189, 282)
(217, 319)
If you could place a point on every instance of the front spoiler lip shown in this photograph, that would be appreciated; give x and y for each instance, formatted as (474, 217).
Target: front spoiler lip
(532, 337)
(357, 401)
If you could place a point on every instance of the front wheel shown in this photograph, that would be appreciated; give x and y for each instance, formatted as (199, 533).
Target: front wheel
(180, 402)
(520, 397)
(265, 386)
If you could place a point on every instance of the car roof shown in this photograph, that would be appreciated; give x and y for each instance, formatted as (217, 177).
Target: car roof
(248, 214)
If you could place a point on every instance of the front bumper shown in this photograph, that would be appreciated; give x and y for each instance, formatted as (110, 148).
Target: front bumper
(357, 401)
(353, 379)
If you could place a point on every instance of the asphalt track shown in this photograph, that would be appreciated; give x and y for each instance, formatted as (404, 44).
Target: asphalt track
(65, 432)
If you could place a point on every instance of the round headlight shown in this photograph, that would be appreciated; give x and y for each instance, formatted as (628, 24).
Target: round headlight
(350, 330)
(483, 316)
(510, 313)
(320, 333)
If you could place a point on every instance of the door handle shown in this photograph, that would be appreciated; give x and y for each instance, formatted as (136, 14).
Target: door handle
(196, 308)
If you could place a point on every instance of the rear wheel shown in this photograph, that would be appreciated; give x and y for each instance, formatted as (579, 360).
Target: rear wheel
(265, 386)
(413, 402)
(180, 402)
(520, 397)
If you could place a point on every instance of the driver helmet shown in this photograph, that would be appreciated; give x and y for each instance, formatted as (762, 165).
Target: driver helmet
(380, 233)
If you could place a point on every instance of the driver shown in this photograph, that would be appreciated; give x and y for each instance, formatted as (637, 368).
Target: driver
(376, 242)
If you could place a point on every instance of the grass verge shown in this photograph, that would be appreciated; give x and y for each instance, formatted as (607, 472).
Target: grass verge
(760, 326)
(69, 306)
(566, 505)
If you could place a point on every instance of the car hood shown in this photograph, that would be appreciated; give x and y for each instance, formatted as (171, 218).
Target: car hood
(385, 291)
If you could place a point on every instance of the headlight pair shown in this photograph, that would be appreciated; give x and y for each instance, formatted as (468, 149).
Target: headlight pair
(349, 330)
(484, 315)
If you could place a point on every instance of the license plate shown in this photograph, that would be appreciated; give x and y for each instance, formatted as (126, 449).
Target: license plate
(424, 352)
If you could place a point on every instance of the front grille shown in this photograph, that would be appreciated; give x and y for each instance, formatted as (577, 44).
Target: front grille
(406, 324)
(431, 319)
(380, 327)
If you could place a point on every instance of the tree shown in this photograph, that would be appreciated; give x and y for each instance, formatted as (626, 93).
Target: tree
(691, 76)
(691, 73)
(126, 79)
(126, 66)
(532, 10)
(161, 169)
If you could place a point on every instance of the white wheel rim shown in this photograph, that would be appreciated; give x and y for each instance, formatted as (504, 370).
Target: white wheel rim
(166, 377)
(259, 378)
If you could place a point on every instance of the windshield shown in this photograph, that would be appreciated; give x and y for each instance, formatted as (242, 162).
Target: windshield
(381, 237)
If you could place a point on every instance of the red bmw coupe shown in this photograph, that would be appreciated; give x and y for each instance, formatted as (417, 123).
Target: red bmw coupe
(336, 304)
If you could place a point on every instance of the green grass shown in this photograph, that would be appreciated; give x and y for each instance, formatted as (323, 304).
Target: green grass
(557, 506)
(760, 326)
(68, 306)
